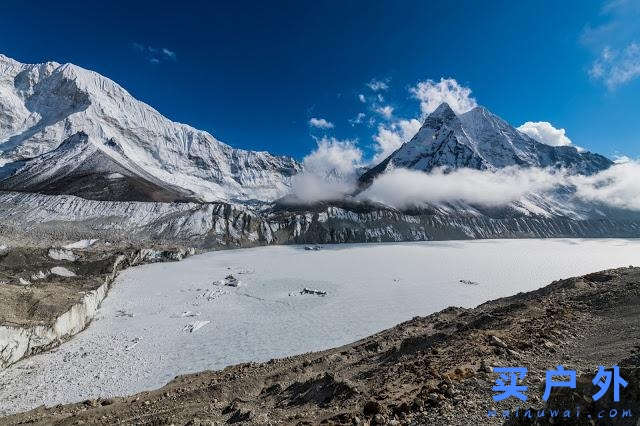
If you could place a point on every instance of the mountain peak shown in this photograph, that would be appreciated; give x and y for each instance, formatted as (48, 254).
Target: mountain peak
(479, 139)
(6, 63)
(440, 116)
(117, 134)
(443, 111)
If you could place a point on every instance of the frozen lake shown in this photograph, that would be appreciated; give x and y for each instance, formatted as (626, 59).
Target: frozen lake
(153, 325)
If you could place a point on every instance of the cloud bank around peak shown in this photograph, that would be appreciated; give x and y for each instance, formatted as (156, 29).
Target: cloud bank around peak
(391, 137)
(330, 171)
(618, 186)
(402, 188)
(431, 94)
(615, 187)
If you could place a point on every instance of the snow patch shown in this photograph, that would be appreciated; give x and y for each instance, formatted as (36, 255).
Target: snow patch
(61, 271)
(39, 276)
(82, 244)
(60, 254)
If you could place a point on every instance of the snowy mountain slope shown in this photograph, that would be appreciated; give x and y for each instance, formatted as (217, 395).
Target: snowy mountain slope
(481, 140)
(45, 218)
(64, 129)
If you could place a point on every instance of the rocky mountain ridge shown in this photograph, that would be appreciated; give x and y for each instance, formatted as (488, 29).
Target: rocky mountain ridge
(478, 139)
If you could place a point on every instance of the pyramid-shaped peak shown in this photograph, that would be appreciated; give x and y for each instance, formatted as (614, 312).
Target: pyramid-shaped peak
(443, 111)
(442, 115)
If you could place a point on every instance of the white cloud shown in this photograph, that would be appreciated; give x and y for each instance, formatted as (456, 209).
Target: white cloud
(385, 111)
(362, 98)
(617, 67)
(309, 188)
(333, 156)
(403, 188)
(390, 138)
(320, 123)
(378, 85)
(329, 171)
(155, 55)
(621, 159)
(431, 94)
(358, 119)
(617, 186)
(168, 53)
(615, 43)
(544, 132)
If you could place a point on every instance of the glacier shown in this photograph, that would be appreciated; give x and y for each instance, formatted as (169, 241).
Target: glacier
(368, 288)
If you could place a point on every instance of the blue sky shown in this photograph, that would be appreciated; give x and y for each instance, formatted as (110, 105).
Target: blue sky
(255, 73)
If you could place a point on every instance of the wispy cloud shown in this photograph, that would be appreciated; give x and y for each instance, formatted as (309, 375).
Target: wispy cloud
(361, 98)
(320, 123)
(378, 85)
(358, 119)
(154, 55)
(168, 53)
(391, 137)
(385, 111)
(617, 67)
(616, 44)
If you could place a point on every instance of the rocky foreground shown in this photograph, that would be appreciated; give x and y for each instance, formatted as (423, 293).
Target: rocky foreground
(431, 370)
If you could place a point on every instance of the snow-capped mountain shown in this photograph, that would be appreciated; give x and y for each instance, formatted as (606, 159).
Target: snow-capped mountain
(68, 130)
(481, 140)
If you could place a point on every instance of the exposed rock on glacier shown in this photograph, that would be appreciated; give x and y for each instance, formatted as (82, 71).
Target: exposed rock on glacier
(313, 291)
(195, 326)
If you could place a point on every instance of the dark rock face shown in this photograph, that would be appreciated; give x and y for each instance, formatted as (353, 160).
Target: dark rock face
(343, 226)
